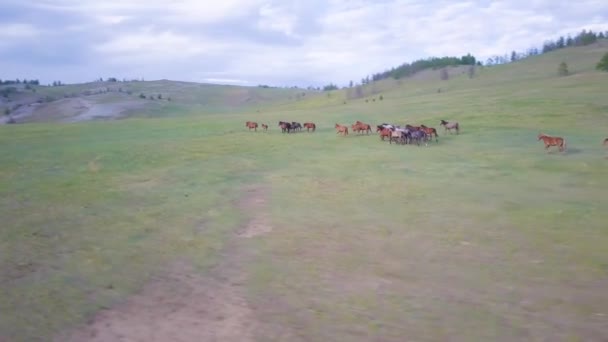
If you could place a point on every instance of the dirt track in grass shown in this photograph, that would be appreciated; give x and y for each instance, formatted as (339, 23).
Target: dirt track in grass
(182, 305)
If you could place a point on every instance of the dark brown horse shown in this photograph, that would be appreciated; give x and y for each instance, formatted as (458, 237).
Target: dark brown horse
(309, 126)
(341, 130)
(250, 125)
(430, 131)
(265, 127)
(285, 127)
(449, 126)
(553, 141)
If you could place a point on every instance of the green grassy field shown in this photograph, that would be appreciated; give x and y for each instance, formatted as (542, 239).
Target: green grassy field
(482, 236)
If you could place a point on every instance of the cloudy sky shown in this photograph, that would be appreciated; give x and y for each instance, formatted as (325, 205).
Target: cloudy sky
(275, 42)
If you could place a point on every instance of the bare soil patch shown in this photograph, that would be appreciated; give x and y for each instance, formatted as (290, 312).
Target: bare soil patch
(255, 202)
(182, 305)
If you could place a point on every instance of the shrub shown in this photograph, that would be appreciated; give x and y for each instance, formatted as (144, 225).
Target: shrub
(562, 69)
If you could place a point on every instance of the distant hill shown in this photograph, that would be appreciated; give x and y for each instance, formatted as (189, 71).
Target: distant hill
(112, 100)
(164, 98)
(524, 75)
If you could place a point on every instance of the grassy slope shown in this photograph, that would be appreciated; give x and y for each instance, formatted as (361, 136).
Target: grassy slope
(483, 236)
(186, 99)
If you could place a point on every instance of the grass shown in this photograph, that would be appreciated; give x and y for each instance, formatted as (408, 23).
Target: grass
(483, 236)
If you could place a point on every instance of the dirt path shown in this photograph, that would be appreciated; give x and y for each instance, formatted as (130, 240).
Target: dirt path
(182, 305)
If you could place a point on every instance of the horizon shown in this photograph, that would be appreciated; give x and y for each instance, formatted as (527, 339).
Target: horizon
(283, 45)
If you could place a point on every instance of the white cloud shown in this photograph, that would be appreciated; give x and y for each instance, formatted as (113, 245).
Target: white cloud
(276, 18)
(291, 41)
(112, 19)
(18, 30)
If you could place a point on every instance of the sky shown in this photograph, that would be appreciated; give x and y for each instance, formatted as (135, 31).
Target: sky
(273, 42)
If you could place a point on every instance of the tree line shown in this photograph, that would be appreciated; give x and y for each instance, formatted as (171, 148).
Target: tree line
(18, 81)
(585, 37)
(580, 39)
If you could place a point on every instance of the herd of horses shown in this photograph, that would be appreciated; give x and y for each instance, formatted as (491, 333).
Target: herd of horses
(404, 135)
(286, 127)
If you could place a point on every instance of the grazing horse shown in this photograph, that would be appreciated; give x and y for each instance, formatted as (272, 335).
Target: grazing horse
(606, 142)
(341, 129)
(285, 126)
(265, 127)
(385, 132)
(250, 125)
(309, 126)
(296, 126)
(430, 131)
(449, 126)
(553, 141)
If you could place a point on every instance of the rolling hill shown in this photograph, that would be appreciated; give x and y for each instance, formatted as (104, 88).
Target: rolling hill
(181, 219)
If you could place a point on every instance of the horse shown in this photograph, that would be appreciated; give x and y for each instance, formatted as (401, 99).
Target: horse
(365, 127)
(385, 132)
(396, 136)
(553, 141)
(265, 127)
(285, 126)
(341, 129)
(606, 142)
(449, 126)
(406, 135)
(400, 135)
(360, 127)
(419, 135)
(430, 131)
(309, 126)
(296, 126)
(250, 125)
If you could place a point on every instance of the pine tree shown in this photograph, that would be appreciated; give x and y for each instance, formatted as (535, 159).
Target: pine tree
(603, 63)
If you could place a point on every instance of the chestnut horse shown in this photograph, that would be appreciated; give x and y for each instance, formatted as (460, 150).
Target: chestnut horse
(341, 129)
(449, 126)
(360, 127)
(553, 141)
(265, 127)
(430, 131)
(250, 125)
(385, 132)
(309, 126)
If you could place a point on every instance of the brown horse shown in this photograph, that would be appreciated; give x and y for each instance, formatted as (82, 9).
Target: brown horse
(606, 142)
(430, 131)
(341, 129)
(265, 127)
(553, 141)
(309, 126)
(385, 132)
(250, 125)
(449, 126)
(361, 127)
